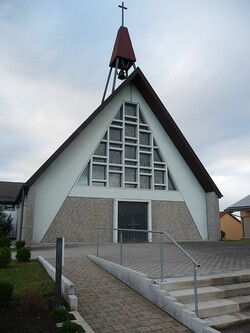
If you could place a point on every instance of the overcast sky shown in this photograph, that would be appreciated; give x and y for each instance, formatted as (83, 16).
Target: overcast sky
(54, 58)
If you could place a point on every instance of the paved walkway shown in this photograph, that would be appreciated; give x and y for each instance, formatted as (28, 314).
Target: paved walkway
(110, 306)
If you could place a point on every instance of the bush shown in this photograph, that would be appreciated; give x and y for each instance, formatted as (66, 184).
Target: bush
(59, 314)
(20, 244)
(23, 254)
(5, 257)
(222, 235)
(4, 241)
(6, 290)
(70, 327)
(5, 223)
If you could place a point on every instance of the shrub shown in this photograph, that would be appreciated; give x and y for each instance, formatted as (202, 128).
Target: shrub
(23, 254)
(6, 290)
(4, 241)
(60, 314)
(5, 223)
(5, 257)
(222, 235)
(70, 327)
(32, 302)
(20, 244)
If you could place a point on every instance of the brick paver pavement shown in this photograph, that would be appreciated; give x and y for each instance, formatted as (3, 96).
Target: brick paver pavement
(110, 306)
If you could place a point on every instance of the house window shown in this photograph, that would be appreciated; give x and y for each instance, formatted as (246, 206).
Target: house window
(128, 155)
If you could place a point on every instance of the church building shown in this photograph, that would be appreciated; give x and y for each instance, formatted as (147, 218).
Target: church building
(127, 166)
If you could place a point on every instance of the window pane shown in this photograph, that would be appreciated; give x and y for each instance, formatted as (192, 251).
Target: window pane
(119, 114)
(115, 134)
(145, 160)
(101, 149)
(171, 186)
(130, 152)
(84, 178)
(159, 177)
(130, 130)
(145, 139)
(130, 110)
(98, 184)
(157, 187)
(157, 156)
(130, 175)
(99, 172)
(141, 119)
(115, 179)
(145, 182)
(115, 156)
(131, 185)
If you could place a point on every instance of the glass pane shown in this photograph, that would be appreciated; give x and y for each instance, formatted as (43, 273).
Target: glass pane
(159, 177)
(141, 119)
(131, 162)
(130, 152)
(99, 160)
(99, 172)
(105, 136)
(116, 168)
(130, 175)
(115, 156)
(131, 185)
(145, 182)
(145, 160)
(84, 178)
(119, 114)
(145, 139)
(171, 186)
(130, 110)
(98, 183)
(130, 130)
(115, 179)
(115, 134)
(101, 149)
(157, 187)
(145, 170)
(157, 156)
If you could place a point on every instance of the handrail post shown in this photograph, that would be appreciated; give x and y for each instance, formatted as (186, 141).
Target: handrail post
(121, 247)
(161, 257)
(195, 291)
(97, 243)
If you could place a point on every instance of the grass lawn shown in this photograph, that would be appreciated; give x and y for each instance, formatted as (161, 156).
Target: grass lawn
(27, 276)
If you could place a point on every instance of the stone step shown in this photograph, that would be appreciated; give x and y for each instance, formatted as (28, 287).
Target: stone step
(204, 294)
(215, 307)
(235, 289)
(244, 302)
(227, 320)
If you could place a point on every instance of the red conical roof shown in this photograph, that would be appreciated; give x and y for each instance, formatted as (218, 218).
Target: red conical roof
(123, 48)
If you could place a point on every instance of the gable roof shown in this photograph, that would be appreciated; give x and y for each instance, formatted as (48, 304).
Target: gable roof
(9, 192)
(230, 215)
(243, 204)
(165, 119)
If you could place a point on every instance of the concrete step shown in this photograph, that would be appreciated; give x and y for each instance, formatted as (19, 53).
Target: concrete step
(235, 289)
(244, 302)
(204, 294)
(215, 307)
(227, 320)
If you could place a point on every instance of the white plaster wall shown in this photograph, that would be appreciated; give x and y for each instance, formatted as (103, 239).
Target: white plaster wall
(58, 181)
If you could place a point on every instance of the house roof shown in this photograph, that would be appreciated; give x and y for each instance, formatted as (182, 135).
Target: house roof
(243, 204)
(165, 119)
(9, 192)
(229, 214)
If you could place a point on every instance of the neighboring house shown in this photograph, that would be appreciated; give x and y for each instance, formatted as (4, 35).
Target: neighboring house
(231, 226)
(128, 166)
(243, 207)
(9, 194)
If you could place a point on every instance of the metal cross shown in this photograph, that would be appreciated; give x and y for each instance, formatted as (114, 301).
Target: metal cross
(123, 8)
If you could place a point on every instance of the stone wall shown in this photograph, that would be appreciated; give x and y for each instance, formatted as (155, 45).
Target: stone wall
(28, 216)
(175, 219)
(78, 218)
(213, 218)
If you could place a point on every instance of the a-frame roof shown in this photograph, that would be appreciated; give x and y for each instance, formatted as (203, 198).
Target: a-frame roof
(165, 119)
(243, 204)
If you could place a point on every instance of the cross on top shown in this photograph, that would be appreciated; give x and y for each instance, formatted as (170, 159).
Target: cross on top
(123, 8)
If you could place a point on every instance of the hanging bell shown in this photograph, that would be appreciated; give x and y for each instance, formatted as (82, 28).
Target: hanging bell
(122, 75)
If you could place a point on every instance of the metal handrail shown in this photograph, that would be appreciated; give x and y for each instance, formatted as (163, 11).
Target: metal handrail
(162, 233)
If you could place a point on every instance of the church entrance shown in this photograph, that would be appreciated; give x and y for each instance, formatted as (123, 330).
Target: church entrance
(133, 215)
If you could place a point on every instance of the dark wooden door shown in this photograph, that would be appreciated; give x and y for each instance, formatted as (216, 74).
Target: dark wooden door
(133, 215)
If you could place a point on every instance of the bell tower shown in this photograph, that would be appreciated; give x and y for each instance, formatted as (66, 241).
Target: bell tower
(123, 56)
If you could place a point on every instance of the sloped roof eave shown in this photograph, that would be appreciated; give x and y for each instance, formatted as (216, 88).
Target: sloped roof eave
(167, 122)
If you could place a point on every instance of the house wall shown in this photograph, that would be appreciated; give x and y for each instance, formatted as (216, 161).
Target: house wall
(57, 184)
(245, 217)
(231, 227)
(213, 218)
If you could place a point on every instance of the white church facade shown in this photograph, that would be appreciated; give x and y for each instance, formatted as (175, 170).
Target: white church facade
(127, 166)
